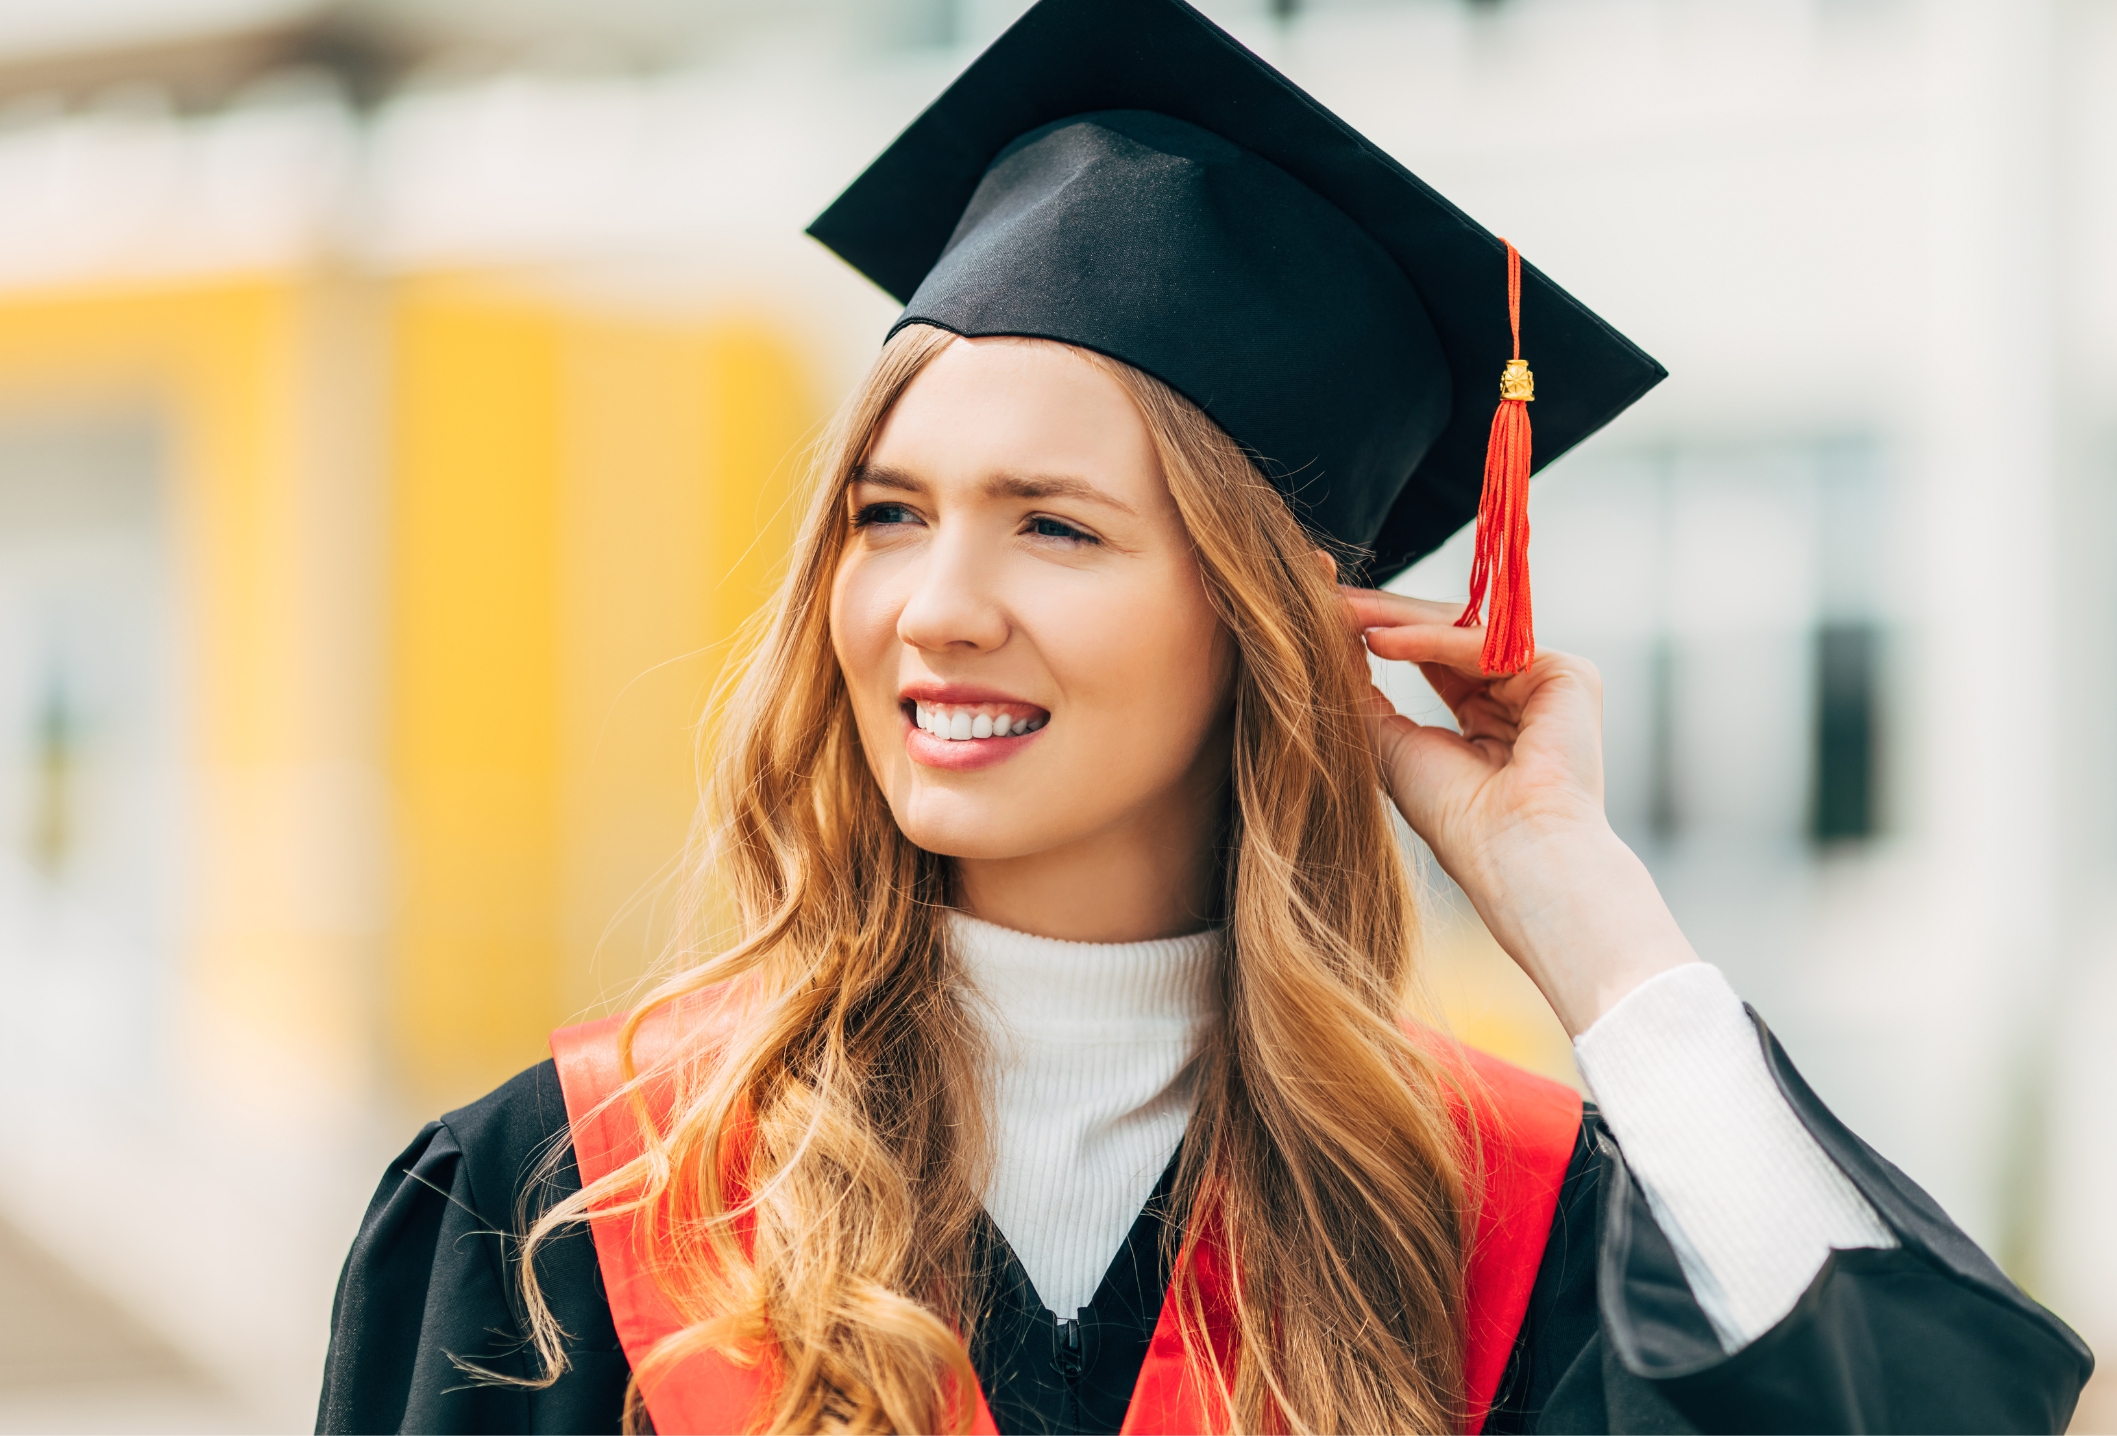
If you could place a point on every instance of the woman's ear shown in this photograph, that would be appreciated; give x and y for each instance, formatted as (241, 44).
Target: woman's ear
(1330, 564)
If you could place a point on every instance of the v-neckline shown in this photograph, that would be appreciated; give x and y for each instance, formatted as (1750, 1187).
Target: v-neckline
(1047, 1374)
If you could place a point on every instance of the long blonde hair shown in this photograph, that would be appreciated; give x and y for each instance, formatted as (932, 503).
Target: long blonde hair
(846, 1098)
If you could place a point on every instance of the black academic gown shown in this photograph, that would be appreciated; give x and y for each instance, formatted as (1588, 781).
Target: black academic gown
(1928, 1337)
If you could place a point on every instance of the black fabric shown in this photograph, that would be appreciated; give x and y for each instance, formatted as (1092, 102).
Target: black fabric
(1930, 1337)
(1050, 1377)
(431, 1282)
(1250, 249)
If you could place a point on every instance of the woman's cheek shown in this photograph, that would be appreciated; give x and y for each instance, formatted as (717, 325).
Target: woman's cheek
(1185, 655)
(863, 632)
(860, 621)
(1139, 664)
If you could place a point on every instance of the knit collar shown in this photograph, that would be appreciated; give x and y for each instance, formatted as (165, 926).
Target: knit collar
(1045, 989)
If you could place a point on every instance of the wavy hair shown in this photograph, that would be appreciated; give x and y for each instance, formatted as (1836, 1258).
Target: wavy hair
(812, 1182)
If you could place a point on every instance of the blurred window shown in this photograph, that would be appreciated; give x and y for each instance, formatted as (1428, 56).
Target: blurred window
(1731, 597)
(87, 740)
(1848, 673)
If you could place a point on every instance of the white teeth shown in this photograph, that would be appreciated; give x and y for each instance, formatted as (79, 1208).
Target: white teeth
(962, 724)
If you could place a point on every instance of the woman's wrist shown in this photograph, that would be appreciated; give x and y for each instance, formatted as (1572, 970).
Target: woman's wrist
(1578, 911)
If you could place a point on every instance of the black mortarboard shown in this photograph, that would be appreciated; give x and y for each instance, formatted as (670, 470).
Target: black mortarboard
(1123, 175)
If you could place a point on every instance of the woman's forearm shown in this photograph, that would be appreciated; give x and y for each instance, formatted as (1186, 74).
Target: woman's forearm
(1578, 911)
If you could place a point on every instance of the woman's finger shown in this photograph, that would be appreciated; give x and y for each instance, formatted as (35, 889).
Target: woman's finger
(1374, 608)
(1425, 769)
(1455, 688)
(1458, 648)
(1485, 717)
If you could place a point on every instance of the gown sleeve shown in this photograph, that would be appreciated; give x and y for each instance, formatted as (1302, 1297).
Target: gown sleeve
(430, 1290)
(1928, 1335)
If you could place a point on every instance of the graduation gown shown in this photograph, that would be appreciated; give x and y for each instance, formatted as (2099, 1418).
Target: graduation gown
(1589, 1325)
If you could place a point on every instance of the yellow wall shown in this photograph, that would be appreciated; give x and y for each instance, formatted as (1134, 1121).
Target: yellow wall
(474, 961)
(456, 563)
(585, 508)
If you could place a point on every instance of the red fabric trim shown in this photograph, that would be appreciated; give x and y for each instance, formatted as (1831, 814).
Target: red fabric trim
(706, 1391)
(1171, 1394)
(1526, 1127)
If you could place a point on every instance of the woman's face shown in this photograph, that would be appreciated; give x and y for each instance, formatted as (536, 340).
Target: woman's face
(1033, 660)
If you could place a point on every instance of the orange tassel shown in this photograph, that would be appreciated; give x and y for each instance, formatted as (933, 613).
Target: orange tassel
(1501, 563)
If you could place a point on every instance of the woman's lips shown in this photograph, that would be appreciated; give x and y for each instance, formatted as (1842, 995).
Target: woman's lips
(964, 736)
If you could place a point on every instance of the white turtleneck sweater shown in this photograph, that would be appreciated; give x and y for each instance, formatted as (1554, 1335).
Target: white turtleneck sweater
(1091, 1089)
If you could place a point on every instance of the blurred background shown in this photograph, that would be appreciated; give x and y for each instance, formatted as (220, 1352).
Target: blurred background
(398, 400)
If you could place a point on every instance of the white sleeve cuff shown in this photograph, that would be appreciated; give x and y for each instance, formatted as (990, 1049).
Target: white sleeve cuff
(1751, 1204)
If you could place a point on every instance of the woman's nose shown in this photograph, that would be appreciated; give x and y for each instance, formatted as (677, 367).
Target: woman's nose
(953, 603)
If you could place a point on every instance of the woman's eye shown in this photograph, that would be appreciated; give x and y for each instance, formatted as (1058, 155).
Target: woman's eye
(1059, 529)
(875, 514)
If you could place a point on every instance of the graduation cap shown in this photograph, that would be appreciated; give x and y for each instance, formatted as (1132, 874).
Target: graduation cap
(1123, 175)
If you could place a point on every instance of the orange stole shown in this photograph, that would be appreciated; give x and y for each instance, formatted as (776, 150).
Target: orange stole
(1526, 1129)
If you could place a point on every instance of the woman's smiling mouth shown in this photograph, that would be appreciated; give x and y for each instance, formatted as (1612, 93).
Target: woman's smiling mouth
(959, 730)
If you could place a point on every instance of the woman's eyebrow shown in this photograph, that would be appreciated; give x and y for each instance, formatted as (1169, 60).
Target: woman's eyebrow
(1031, 486)
(881, 476)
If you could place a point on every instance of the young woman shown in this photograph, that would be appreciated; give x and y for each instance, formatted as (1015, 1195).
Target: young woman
(1050, 1073)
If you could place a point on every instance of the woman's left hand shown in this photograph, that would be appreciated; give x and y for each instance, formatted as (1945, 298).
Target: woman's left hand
(1512, 807)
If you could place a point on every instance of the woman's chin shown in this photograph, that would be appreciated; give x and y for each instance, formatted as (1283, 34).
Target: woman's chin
(989, 827)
